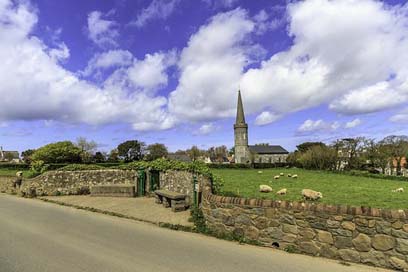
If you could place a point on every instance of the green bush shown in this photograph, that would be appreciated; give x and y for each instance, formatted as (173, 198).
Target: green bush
(60, 152)
(79, 167)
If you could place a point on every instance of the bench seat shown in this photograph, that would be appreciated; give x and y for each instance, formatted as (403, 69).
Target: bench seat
(176, 201)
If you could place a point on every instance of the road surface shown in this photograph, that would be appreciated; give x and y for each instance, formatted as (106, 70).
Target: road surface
(38, 237)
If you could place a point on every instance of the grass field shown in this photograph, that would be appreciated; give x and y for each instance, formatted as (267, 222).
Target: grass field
(12, 172)
(336, 188)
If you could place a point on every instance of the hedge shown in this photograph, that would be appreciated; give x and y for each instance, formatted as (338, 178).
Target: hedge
(14, 166)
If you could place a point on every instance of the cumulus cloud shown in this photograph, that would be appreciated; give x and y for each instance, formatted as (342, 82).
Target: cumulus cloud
(205, 129)
(210, 68)
(221, 3)
(158, 9)
(356, 122)
(265, 118)
(310, 126)
(101, 31)
(109, 59)
(43, 90)
(401, 117)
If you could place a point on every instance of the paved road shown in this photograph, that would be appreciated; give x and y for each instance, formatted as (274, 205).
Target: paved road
(40, 237)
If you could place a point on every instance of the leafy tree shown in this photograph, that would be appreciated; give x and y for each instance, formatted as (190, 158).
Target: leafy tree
(113, 156)
(59, 152)
(377, 154)
(194, 153)
(218, 153)
(397, 149)
(303, 147)
(27, 155)
(318, 157)
(131, 150)
(99, 157)
(156, 151)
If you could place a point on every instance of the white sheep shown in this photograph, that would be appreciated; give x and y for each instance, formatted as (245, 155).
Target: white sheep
(260, 172)
(289, 175)
(294, 176)
(399, 190)
(282, 191)
(281, 174)
(310, 194)
(265, 188)
(276, 177)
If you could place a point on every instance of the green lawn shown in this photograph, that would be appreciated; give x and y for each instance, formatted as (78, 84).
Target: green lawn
(336, 188)
(11, 172)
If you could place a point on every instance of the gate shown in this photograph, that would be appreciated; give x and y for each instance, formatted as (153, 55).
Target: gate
(154, 180)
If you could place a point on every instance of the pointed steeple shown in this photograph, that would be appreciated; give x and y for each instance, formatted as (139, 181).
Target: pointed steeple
(240, 111)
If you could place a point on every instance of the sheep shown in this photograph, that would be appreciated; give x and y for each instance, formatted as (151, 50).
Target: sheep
(281, 174)
(265, 188)
(399, 190)
(289, 175)
(294, 176)
(276, 177)
(260, 172)
(310, 194)
(282, 191)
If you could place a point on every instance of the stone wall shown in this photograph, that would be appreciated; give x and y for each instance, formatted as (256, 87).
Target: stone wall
(74, 182)
(179, 181)
(6, 184)
(354, 234)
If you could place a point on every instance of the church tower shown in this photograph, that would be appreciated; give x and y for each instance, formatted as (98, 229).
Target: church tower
(242, 154)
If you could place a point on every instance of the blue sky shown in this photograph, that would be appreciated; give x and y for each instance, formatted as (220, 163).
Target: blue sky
(168, 71)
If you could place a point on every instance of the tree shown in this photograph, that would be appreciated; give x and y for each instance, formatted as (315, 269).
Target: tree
(377, 154)
(99, 157)
(156, 151)
(87, 148)
(113, 156)
(397, 149)
(303, 147)
(27, 155)
(131, 150)
(218, 153)
(59, 152)
(194, 152)
(318, 157)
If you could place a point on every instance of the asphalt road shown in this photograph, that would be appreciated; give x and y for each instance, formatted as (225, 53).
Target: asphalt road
(38, 237)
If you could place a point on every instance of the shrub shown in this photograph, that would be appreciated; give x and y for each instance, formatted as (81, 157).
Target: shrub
(59, 152)
(78, 167)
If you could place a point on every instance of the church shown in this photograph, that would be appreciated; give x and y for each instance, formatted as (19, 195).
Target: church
(244, 153)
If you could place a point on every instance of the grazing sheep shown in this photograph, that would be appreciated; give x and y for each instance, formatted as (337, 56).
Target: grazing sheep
(265, 188)
(399, 190)
(281, 174)
(260, 172)
(276, 177)
(289, 175)
(282, 191)
(294, 176)
(310, 194)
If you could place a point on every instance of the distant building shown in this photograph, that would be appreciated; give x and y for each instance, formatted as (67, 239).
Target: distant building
(9, 156)
(245, 153)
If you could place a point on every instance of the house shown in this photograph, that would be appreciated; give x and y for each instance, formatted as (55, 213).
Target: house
(9, 156)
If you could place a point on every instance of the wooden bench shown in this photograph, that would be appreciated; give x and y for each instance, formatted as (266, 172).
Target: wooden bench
(176, 201)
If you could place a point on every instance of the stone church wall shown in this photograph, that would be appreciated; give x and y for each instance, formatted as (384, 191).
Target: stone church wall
(270, 158)
(354, 234)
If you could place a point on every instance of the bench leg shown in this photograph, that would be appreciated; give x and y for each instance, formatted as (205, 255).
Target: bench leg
(178, 205)
(166, 202)
(159, 199)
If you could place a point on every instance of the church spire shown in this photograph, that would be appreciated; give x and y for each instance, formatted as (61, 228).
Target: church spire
(240, 110)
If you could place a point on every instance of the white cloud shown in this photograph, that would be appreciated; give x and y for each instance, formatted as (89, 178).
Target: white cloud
(150, 73)
(211, 66)
(101, 31)
(310, 126)
(205, 129)
(369, 99)
(35, 87)
(401, 117)
(158, 9)
(356, 122)
(109, 59)
(59, 54)
(265, 118)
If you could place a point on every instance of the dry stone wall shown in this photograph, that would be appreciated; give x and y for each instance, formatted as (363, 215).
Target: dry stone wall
(74, 182)
(354, 234)
(6, 184)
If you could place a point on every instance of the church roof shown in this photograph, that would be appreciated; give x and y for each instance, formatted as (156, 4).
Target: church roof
(240, 111)
(268, 149)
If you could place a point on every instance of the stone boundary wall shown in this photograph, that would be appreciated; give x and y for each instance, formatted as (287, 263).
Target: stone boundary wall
(372, 236)
(6, 184)
(53, 183)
